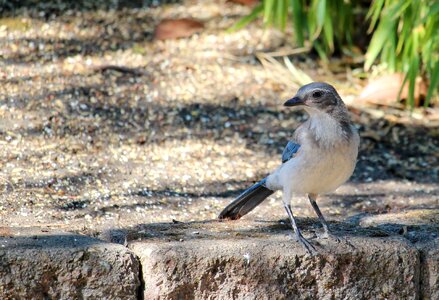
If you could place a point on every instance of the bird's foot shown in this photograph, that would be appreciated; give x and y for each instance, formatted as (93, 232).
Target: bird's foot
(306, 244)
(330, 236)
(327, 235)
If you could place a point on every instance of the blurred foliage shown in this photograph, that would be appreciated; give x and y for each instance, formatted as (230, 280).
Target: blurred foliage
(404, 33)
(406, 38)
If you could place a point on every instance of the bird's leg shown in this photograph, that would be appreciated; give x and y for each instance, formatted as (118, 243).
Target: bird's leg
(308, 246)
(312, 198)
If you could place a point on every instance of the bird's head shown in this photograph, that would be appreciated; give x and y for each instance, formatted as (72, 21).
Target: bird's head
(317, 97)
(325, 107)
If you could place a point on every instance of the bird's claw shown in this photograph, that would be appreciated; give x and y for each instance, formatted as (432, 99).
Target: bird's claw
(331, 236)
(328, 235)
(305, 243)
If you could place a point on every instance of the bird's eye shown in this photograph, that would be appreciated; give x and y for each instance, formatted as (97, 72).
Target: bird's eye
(317, 94)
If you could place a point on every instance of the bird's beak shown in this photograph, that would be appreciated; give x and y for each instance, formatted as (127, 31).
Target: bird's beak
(295, 101)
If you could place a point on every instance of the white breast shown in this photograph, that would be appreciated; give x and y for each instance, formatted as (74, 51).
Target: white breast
(322, 164)
(320, 171)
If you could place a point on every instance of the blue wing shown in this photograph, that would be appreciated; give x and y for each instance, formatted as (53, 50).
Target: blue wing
(289, 151)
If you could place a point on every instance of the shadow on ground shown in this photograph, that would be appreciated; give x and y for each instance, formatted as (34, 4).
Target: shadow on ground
(360, 225)
(80, 133)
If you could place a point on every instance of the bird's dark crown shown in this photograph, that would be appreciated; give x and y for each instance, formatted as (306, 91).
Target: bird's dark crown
(320, 95)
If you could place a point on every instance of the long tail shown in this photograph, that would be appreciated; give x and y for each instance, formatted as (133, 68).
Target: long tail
(247, 201)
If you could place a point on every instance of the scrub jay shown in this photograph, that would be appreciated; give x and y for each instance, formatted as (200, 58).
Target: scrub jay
(320, 158)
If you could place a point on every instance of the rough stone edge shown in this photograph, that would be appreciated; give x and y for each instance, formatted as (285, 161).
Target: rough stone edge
(417, 267)
(423, 250)
(91, 245)
(427, 251)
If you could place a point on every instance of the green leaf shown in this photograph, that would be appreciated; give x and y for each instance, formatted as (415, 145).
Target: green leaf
(298, 22)
(404, 81)
(282, 14)
(268, 11)
(312, 24)
(398, 9)
(379, 38)
(434, 9)
(329, 33)
(412, 74)
(374, 12)
(247, 19)
(434, 84)
(321, 52)
(405, 33)
(320, 12)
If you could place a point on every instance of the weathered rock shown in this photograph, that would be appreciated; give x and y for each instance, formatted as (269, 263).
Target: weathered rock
(255, 260)
(42, 264)
(420, 226)
(430, 269)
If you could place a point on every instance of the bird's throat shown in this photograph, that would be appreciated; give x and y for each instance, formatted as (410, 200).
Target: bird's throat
(326, 130)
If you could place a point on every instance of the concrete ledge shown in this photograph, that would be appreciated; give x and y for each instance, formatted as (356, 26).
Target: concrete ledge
(42, 264)
(392, 256)
(429, 269)
(212, 260)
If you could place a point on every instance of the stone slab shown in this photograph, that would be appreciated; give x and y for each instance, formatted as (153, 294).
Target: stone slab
(429, 269)
(260, 260)
(39, 263)
(421, 227)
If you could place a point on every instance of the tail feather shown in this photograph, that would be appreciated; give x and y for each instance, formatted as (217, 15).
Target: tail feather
(247, 201)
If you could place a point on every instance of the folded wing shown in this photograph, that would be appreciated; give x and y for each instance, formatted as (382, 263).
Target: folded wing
(257, 193)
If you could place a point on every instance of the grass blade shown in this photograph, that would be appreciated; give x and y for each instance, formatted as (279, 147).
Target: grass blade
(268, 11)
(320, 12)
(298, 22)
(374, 13)
(247, 19)
(321, 52)
(413, 71)
(328, 33)
(379, 38)
(318, 18)
(281, 14)
(434, 84)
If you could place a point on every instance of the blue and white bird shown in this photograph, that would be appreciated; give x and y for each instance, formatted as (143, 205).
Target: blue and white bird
(320, 158)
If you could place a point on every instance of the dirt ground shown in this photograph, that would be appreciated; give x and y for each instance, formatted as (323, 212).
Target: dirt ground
(192, 123)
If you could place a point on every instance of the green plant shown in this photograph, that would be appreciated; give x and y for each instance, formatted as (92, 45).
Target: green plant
(406, 38)
(326, 25)
(405, 33)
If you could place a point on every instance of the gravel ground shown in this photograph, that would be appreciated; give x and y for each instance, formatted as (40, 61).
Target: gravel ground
(191, 123)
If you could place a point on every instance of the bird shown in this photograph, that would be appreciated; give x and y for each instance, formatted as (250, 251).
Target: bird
(320, 157)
